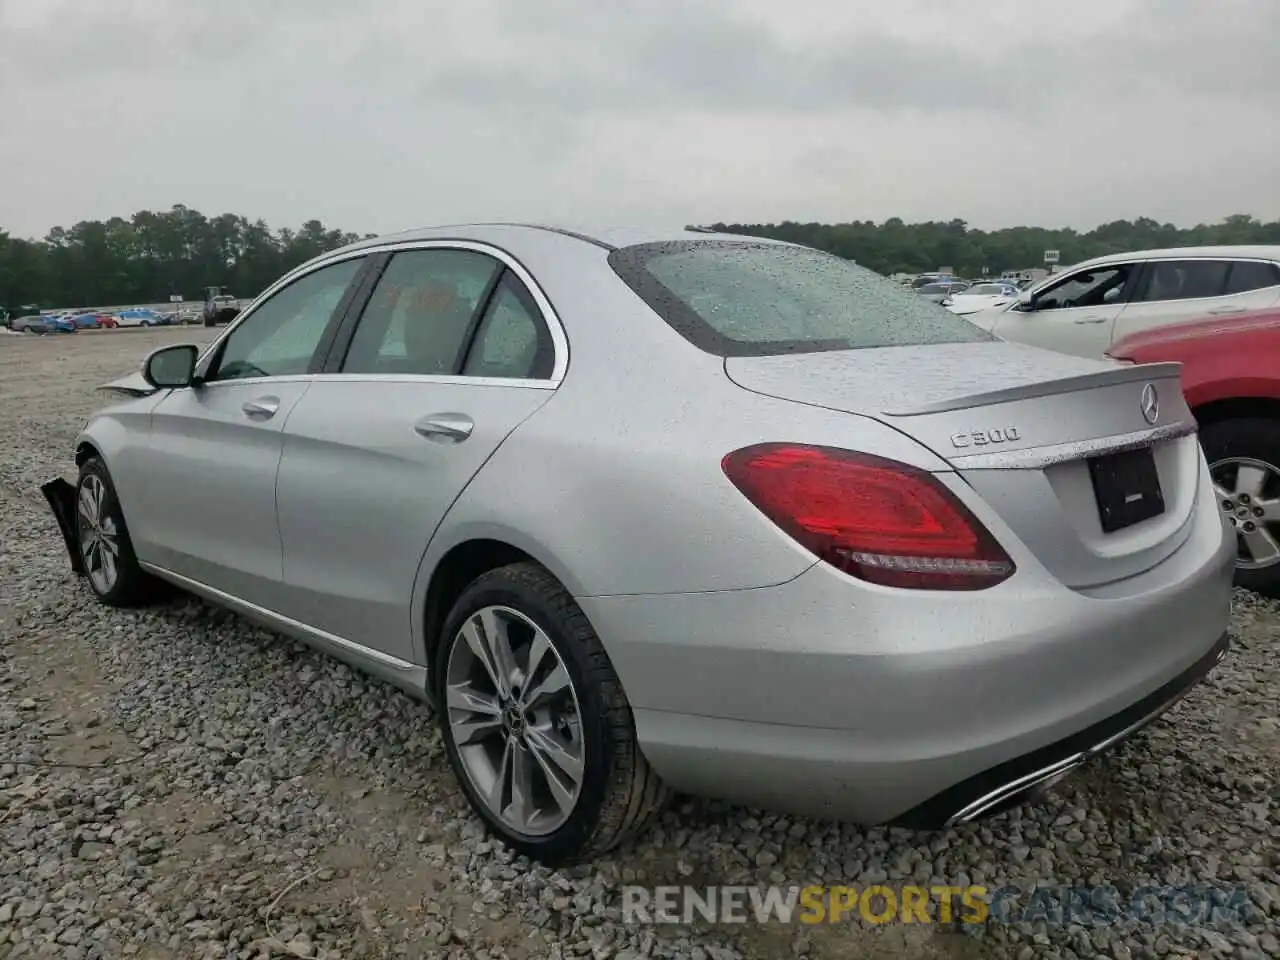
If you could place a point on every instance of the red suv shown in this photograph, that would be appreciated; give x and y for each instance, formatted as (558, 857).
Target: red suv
(1231, 378)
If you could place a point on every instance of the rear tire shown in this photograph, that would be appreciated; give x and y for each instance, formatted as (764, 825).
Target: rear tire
(111, 567)
(571, 710)
(1244, 460)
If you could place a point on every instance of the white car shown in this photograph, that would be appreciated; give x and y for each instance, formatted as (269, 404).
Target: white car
(1084, 309)
(981, 296)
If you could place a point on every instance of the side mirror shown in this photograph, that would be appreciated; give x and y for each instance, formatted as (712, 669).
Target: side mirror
(1023, 302)
(171, 367)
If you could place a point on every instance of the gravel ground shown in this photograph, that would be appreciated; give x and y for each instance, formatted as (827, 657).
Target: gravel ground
(177, 783)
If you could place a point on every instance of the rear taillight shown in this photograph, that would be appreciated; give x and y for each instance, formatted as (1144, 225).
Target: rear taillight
(875, 519)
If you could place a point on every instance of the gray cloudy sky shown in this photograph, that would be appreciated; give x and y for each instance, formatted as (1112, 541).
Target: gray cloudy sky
(385, 114)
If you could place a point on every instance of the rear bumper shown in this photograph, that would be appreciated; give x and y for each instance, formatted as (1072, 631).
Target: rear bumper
(61, 497)
(834, 699)
(1024, 777)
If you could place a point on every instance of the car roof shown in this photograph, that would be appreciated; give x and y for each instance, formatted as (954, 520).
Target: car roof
(606, 237)
(1242, 251)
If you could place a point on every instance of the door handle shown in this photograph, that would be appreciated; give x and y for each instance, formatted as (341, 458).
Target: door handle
(1091, 320)
(1220, 311)
(445, 427)
(263, 408)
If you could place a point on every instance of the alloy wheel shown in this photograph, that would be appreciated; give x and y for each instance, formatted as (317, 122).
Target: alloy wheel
(1248, 493)
(99, 538)
(514, 716)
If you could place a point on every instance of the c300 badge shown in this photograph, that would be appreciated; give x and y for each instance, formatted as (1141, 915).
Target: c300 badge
(984, 438)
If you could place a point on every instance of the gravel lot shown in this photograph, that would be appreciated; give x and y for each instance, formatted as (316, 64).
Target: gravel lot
(177, 783)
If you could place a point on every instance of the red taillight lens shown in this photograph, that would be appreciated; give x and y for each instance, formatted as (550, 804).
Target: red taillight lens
(875, 519)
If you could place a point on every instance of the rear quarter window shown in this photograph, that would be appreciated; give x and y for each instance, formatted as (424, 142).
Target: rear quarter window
(733, 298)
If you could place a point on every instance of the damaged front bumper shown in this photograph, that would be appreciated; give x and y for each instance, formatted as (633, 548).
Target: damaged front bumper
(62, 501)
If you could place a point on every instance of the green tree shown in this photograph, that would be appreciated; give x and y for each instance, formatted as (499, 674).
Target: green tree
(151, 255)
(894, 246)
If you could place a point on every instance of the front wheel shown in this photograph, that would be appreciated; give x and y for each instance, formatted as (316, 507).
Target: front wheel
(1244, 461)
(535, 721)
(103, 541)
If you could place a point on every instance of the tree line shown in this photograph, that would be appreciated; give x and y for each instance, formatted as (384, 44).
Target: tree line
(898, 247)
(153, 255)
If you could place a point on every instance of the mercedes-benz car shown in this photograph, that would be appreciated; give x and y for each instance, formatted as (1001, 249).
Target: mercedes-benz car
(654, 511)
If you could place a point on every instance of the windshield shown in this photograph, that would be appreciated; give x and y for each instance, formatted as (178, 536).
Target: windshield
(990, 289)
(936, 288)
(734, 298)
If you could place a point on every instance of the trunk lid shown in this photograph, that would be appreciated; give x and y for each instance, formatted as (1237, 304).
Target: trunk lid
(1019, 425)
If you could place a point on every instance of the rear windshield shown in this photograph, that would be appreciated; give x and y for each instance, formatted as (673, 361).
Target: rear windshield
(738, 299)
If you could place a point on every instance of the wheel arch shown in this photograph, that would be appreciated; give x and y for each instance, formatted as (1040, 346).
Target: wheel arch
(1236, 408)
(447, 569)
(86, 449)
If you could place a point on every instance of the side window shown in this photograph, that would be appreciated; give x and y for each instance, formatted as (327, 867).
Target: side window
(280, 337)
(1249, 275)
(1185, 280)
(421, 310)
(1089, 288)
(512, 340)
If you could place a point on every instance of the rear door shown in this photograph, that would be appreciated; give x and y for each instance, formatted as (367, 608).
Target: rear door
(1074, 315)
(210, 465)
(1171, 291)
(451, 352)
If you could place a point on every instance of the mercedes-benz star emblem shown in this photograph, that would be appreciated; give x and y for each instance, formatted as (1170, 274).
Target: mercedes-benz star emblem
(1150, 403)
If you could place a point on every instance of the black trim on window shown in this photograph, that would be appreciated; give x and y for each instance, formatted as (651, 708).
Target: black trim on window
(477, 317)
(544, 359)
(357, 294)
(1129, 292)
(1140, 283)
(341, 342)
(630, 264)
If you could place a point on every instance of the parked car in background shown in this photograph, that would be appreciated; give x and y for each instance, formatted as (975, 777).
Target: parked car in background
(941, 290)
(888, 568)
(1231, 379)
(981, 296)
(86, 321)
(1084, 309)
(52, 323)
(23, 324)
(140, 317)
(925, 279)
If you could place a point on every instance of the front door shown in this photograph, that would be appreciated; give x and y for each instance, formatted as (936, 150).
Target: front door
(1074, 315)
(214, 449)
(450, 355)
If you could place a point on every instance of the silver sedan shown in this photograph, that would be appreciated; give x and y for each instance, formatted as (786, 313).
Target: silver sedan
(655, 511)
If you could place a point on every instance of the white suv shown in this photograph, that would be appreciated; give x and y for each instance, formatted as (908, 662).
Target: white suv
(1084, 309)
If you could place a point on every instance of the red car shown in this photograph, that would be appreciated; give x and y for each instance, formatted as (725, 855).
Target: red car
(1231, 378)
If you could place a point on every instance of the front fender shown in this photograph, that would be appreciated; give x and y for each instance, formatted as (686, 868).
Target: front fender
(119, 435)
